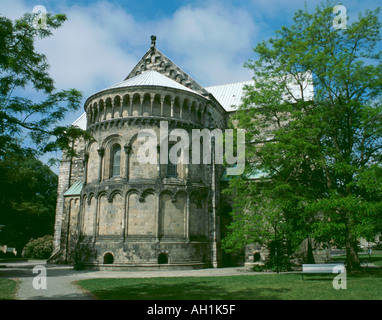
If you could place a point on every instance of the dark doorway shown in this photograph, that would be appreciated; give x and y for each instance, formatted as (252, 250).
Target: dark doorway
(162, 258)
(108, 258)
(256, 257)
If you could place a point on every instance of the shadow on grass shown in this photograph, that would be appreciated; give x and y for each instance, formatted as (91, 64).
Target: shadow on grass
(194, 291)
(376, 259)
(367, 273)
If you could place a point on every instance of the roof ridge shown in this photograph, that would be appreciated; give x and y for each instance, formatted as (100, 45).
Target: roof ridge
(154, 59)
(228, 84)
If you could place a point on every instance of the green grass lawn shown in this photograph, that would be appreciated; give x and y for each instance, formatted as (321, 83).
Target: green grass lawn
(364, 286)
(7, 289)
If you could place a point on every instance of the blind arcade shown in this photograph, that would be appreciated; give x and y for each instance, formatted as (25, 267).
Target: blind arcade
(175, 147)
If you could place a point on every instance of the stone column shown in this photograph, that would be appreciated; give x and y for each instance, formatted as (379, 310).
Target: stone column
(214, 249)
(158, 163)
(151, 104)
(161, 105)
(96, 219)
(141, 107)
(130, 106)
(157, 216)
(127, 161)
(187, 219)
(101, 153)
(81, 216)
(187, 166)
(112, 108)
(86, 161)
(120, 107)
(172, 108)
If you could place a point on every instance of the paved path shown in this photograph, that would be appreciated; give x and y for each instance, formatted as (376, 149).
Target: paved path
(60, 286)
(60, 278)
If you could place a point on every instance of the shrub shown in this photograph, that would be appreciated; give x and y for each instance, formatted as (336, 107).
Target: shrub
(40, 248)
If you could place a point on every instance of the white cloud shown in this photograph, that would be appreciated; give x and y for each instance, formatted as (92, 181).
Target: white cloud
(101, 42)
(86, 53)
(89, 51)
(211, 42)
(14, 9)
(282, 10)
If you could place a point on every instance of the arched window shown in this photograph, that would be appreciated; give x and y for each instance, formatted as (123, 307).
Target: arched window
(116, 161)
(171, 167)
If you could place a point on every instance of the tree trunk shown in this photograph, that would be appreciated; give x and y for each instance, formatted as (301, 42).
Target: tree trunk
(310, 256)
(352, 259)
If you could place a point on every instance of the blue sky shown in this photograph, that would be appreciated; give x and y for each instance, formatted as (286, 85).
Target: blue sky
(209, 39)
(103, 40)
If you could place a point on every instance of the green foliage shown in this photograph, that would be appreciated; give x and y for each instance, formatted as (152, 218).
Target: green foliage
(22, 67)
(319, 154)
(27, 197)
(279, 259)
(40, 248)
(29, 127)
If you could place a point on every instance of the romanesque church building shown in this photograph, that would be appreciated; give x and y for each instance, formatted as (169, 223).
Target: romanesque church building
(113, 211)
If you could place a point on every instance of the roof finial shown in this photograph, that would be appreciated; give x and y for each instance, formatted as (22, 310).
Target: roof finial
(153, 41)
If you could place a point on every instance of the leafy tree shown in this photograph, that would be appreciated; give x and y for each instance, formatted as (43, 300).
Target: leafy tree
(316, 156)
(41, 248)
(22, 67)
(27, 197)
(30, 126)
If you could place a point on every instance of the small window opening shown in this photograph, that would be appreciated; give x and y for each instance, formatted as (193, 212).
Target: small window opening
(116, 161)
(162, 258)
(256, 257)
(171, 167)
(108, 258)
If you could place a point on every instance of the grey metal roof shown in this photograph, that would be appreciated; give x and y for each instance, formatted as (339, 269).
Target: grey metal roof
(229, 95)
(80, 122)
(152, 78)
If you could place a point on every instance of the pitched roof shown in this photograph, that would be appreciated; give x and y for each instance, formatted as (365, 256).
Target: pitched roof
(75, 189)
(80, 122)
(229, 95)
(156, 60)
(155, 69)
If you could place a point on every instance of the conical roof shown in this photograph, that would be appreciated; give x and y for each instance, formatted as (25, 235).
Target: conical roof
(151, 78)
